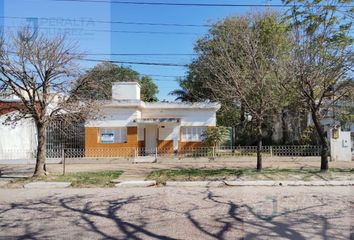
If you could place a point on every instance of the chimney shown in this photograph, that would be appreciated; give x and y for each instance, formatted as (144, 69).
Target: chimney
(125, 91)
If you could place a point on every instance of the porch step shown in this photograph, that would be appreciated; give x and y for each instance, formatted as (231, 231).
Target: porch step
(144, 159)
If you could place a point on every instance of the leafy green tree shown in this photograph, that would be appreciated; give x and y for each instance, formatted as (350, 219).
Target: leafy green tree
(343, 111)
(198, 84)
(243, 55)
(345, 115)
(321, 58)
(101, 77)
(309, 136)
(215, 136)
(148, 89)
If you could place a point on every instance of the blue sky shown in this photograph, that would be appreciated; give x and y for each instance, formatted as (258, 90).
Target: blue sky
(79, 21)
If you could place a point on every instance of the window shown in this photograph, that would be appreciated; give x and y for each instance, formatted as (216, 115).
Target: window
(113, 135)
(191, 134)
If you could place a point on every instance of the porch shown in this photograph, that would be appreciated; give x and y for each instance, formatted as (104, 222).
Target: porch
(158, 135)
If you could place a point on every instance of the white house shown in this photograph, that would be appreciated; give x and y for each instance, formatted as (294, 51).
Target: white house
(127, 123)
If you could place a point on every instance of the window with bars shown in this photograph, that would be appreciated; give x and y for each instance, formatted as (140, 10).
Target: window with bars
(113, 135)
(192, 134)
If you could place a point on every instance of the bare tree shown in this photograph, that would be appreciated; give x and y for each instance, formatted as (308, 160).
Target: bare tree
(321, 60)
(243, 54)
(41, 73)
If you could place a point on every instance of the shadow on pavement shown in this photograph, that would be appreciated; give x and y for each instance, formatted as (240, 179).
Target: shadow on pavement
(208, 216)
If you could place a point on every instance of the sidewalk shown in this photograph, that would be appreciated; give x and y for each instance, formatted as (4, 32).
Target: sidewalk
(140, 171)
(203, 184)
(135, 172)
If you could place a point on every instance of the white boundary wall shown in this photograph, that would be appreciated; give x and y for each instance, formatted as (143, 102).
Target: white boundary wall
(341, 147)
(17, 141)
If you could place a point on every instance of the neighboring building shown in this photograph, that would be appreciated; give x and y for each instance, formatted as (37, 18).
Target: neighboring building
(129, 126)
(17, 140)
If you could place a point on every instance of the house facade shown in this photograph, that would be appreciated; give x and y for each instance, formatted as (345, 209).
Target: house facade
(128, 126)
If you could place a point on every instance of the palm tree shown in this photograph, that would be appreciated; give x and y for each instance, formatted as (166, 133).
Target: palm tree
(184, 94)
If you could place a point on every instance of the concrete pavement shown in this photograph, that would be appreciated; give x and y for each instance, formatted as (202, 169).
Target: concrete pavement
(178, 213)
(46, 185)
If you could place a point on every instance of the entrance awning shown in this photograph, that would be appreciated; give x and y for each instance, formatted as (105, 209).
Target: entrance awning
(158, 120)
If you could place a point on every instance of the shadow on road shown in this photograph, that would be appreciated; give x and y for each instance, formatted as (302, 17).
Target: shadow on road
(208, 215)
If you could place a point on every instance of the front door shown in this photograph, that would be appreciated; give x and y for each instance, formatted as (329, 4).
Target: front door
(151, 139)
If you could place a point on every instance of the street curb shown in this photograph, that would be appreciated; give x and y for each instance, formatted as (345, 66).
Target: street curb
(150, 183)
(256, 183)
(47, 185)
(289, 183)
(195, 184)
(136, 183)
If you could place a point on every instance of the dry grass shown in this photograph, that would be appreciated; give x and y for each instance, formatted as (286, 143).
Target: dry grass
(80, 179)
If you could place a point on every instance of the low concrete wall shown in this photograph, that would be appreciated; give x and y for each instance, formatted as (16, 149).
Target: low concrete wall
(29, 161)
(232, 159)
(69, 161)
(98, 160)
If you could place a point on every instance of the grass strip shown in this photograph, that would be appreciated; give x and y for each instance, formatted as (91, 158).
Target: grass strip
(200, 174)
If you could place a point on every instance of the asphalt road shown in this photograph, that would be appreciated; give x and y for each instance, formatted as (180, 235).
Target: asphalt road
(178, 213)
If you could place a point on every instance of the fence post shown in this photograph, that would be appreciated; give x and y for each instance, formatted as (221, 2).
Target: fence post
(63, 157)
(271, 151)
(213, 152)
(156, 154)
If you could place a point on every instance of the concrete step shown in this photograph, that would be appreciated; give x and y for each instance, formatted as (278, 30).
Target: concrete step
(144, 159)
(47, 185)
(136, 183)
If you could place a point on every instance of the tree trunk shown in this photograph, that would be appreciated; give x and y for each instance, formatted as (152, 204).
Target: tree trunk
(241, 126)
(259, 146)
(284, 127)
(233, 139)
(40, 169)
(323, 141)
(242, 115)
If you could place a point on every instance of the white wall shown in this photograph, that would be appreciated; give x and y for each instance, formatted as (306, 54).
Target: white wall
(341, 147)
(115, 117)
(17, 141)
(126, 91)
(141, 133)
(190, 117)
(169, 133)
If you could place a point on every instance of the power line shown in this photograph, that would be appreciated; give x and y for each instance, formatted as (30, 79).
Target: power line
(121, 22)
(158, 75)
(189, 4)
(165, 80)
(133, 63)
(112, 31)
(140, 54)
(150, 75)
(136, 63)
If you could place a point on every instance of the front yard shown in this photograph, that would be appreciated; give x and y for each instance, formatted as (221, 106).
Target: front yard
(202, 174)
(101, 175)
